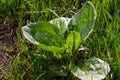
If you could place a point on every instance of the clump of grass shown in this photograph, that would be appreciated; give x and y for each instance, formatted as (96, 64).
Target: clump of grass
(104, 42)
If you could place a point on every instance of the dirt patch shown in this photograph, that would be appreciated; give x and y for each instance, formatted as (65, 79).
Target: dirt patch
(4, 62)
(7, 46)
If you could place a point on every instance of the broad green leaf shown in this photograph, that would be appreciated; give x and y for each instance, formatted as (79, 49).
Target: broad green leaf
(52, 48)
(83, 22)
(92, 69)
(77, 40)
(62, 23)
(69, 44)
(72, 42)
(45, 35)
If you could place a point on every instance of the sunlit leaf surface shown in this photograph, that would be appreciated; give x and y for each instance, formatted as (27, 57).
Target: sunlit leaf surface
(72, 42)
(84, 20)
(92, 69)
(45, 35)
(62, 23)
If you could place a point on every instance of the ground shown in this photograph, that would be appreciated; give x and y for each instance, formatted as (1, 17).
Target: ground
(7, 48)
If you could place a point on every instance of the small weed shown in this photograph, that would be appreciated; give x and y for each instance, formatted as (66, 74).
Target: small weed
(32, 63)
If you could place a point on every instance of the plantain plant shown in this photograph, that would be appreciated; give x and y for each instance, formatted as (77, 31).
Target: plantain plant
(63, 37)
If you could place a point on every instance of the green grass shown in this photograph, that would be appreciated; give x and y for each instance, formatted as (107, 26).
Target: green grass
(28, 64)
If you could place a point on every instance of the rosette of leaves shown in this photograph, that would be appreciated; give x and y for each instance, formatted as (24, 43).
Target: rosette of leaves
(50, 36)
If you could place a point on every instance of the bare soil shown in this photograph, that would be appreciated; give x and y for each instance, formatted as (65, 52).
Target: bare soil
(7, 47)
